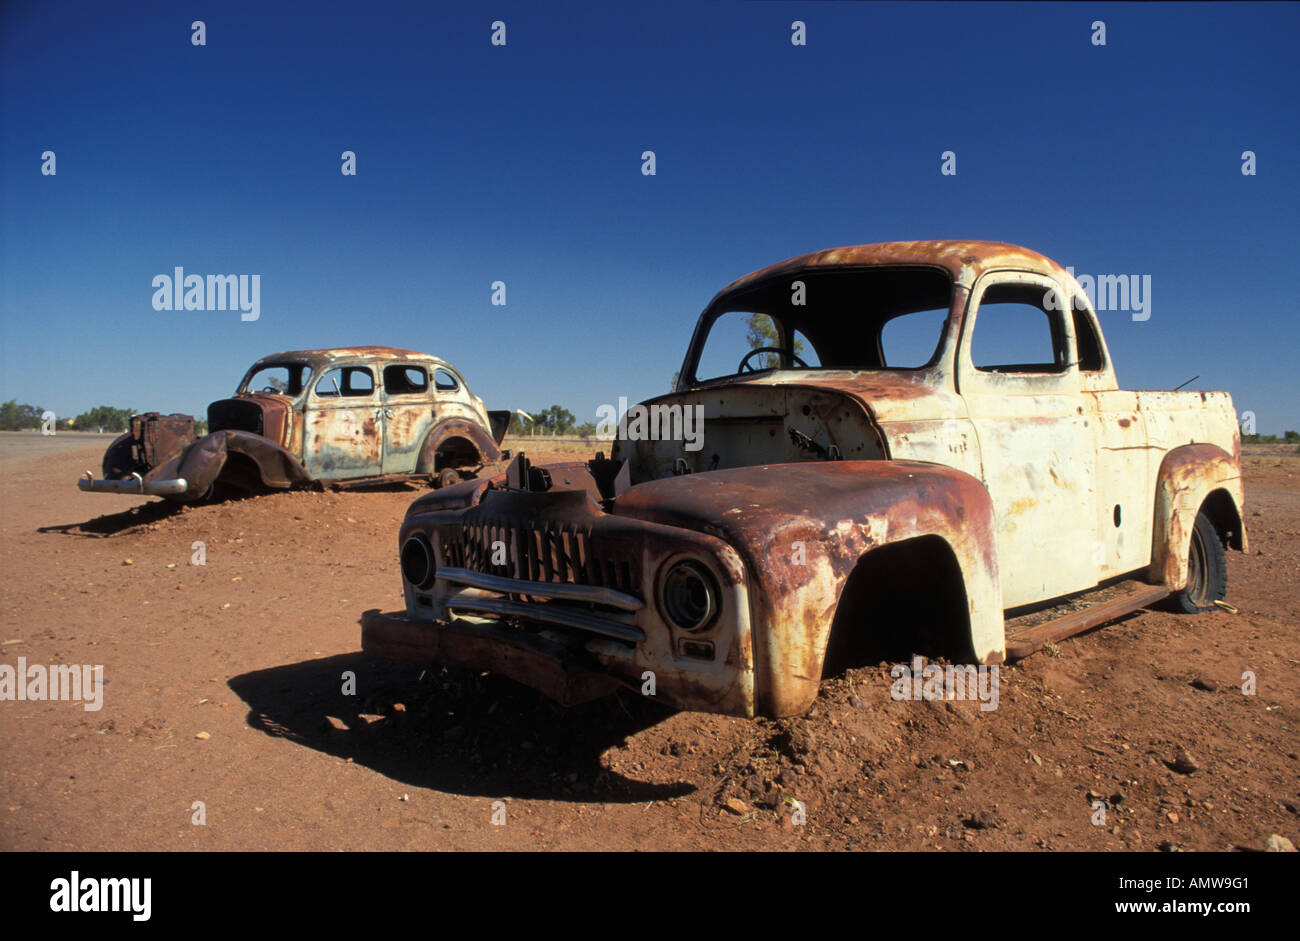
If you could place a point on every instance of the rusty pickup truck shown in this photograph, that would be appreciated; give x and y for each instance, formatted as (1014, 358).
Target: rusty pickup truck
(335, 417)
(928, 454)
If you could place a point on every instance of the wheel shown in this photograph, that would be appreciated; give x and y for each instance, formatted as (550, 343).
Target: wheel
(1207, 569)
(448, 476)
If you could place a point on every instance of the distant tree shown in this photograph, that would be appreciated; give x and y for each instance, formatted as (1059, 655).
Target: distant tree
(554, 420)
(103, 418)
(17, 417)
(760, 331)
(1291, 436)
(200, 428)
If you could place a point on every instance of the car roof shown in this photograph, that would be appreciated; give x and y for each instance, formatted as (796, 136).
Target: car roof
(325, 357)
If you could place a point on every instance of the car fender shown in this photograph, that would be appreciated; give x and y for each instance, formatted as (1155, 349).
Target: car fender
(119, 457)
(456, 428)
(202, 462)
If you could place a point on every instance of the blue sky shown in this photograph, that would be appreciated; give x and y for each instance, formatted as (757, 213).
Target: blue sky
(522, 164)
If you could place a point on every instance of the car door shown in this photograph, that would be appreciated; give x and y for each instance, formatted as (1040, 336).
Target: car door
(1017, 373)
(342, 424)
(408, 415)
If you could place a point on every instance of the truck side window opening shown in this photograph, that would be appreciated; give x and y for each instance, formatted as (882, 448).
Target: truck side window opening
(1085, 338)
(1015, 333)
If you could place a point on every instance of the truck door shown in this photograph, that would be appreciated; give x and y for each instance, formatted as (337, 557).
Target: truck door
(1124, 458)
(1017, 372)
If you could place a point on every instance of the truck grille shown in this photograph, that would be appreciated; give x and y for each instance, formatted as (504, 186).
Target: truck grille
(540, 554)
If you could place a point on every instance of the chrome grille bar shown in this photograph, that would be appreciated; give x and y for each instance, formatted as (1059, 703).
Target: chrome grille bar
(562, 590)
(546, 614)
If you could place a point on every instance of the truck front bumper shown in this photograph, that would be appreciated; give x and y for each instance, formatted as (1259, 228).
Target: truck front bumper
(135, 484)
(553, 669)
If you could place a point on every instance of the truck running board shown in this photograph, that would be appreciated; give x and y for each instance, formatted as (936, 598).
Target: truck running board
(1030, 632)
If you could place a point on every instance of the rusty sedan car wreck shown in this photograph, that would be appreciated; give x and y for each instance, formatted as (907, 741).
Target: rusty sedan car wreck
(336, 417)
(903, 470)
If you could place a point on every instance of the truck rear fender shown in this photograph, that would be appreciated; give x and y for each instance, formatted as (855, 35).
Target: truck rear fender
(1191, 477)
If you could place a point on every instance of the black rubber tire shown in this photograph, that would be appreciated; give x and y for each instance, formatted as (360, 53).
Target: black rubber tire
(1207, 570)
(448, 477)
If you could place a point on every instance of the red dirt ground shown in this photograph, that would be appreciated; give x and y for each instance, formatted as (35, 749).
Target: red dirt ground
(222, 680)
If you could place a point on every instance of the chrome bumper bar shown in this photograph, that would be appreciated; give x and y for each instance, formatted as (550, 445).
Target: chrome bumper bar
(135, 484)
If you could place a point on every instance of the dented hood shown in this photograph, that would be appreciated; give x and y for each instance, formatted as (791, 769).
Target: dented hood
(763, 510)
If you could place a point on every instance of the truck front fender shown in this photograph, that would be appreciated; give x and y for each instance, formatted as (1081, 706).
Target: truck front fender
(1190, 475)
(801, 530)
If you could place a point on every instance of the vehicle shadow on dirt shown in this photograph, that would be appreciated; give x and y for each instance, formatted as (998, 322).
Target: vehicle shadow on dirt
(114, 524)
(454, 731)
(381, 486)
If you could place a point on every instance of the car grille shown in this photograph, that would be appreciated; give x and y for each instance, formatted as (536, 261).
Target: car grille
(540, 554)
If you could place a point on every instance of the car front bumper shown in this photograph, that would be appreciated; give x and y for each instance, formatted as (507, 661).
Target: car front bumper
(135, 484)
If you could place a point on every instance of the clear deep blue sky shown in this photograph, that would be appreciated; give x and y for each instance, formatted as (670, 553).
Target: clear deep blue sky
(523, 164)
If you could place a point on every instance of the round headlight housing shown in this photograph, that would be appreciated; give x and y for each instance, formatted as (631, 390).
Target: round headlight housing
(417, 562)
(689, 597)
